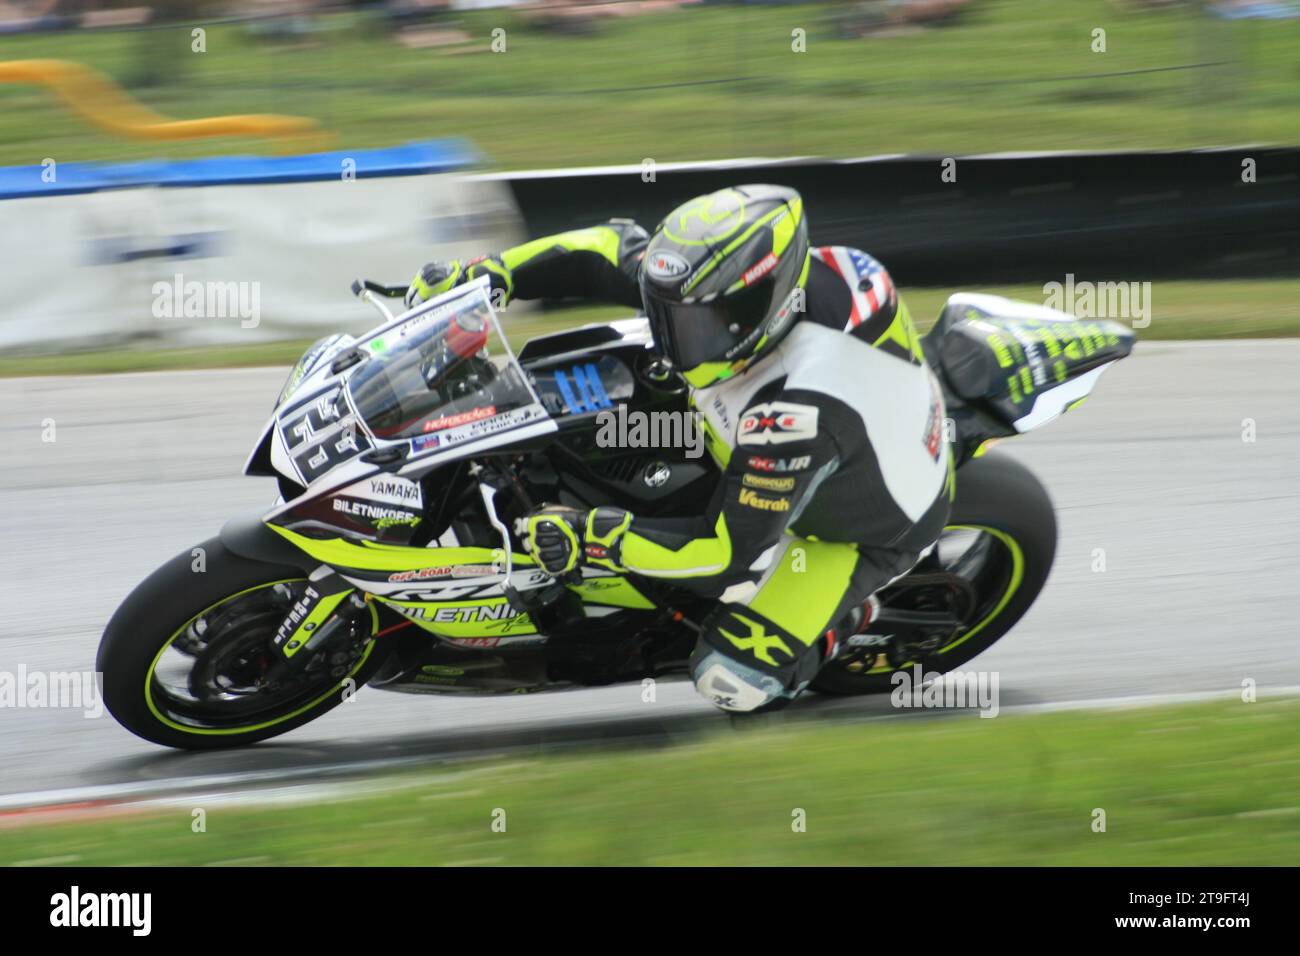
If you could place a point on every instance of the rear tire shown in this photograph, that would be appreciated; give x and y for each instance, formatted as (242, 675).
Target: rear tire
(156, 613)
(999, 495)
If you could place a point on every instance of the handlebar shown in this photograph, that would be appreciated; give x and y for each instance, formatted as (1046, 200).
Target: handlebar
(371, 292)
(387, 291)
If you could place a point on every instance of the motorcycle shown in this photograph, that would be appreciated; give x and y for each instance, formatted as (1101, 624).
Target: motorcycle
(406, 459)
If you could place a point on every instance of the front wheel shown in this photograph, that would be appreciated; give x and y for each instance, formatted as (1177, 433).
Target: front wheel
(988, 567)
(186, 658)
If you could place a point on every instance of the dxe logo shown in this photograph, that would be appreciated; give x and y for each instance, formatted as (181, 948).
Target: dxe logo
(776, 423)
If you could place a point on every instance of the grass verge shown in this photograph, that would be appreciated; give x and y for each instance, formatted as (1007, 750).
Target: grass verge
(1190, 785)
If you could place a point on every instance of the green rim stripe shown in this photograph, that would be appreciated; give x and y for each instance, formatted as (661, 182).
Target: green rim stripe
(1017, 574)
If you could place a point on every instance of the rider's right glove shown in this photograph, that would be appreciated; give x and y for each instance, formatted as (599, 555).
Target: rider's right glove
(555, 536)
(434, 279)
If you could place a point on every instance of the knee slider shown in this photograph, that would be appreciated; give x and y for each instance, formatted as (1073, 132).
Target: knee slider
(731, 685)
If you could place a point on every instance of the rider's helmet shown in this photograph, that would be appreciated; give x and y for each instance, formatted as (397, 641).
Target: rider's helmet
(722, 279)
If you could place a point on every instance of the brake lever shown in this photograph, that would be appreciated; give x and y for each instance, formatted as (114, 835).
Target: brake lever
(387, 291)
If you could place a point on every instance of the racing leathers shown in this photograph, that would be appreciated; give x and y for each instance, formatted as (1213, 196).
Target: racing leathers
(836, 475)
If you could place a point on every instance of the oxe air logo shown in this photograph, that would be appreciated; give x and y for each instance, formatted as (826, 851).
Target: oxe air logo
(780, 464)
(666, 265)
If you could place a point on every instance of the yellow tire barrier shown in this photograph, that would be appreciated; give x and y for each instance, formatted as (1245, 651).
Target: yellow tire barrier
(101, 102)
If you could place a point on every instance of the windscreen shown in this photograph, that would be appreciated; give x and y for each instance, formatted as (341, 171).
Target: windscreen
(441, 372)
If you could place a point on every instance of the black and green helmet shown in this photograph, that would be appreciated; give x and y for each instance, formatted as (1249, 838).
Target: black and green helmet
(719, 278)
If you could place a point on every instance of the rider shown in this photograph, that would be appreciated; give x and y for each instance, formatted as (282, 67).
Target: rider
(807, 376)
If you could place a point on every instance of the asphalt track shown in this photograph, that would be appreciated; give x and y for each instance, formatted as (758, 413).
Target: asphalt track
(1198, 592)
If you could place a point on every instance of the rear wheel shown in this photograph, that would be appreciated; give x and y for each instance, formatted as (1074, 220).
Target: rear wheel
(988, 568)
(187, 659)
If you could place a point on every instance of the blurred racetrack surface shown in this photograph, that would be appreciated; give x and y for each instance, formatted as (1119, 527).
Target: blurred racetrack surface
(1196, 525)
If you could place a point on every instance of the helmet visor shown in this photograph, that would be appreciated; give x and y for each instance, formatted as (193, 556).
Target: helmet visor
(697, 332)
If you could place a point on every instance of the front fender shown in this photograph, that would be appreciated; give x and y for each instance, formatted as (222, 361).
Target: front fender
(248, 536)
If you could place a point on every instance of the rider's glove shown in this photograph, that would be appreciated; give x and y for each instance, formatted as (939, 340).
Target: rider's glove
(562, 538)
(439, 277)
(555, 538)
(434, 279)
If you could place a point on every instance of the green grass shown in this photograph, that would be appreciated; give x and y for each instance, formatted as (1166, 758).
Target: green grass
(1203, 784)
(1264, 308)
(704, 83)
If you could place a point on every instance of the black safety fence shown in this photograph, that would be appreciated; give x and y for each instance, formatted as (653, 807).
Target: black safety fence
(935, 220)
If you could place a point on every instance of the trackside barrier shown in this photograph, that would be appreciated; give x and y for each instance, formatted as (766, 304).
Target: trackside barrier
(993, 219)
(181, 252)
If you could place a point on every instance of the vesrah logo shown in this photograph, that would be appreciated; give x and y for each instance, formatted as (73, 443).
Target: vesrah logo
(752, 499)
(75, 909)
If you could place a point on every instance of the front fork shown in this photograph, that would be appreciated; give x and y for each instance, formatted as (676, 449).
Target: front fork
(322, 617)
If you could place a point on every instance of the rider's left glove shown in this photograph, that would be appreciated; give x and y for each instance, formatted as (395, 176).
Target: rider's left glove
(434, 279)
(439, 277)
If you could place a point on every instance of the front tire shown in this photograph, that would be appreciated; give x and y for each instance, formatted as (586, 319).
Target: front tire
(222, 617)
(1001, 500)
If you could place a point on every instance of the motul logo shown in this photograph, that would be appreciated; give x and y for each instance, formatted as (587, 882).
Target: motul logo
(756, 272)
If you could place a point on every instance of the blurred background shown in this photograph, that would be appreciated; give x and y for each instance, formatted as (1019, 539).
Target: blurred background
(439, 117)
(580, 83)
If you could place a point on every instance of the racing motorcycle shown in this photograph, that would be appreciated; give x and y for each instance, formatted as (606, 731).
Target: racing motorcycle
(393, 557)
